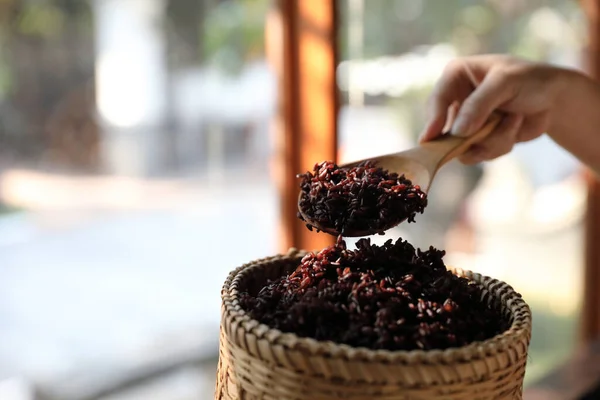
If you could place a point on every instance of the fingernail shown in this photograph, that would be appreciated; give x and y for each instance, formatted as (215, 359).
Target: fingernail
(425, 133)
(460, 127)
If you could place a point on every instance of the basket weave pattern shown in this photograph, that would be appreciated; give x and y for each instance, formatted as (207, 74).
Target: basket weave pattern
(259, 363)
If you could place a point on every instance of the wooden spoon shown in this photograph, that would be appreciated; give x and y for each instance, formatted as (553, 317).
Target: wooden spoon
(419, 164)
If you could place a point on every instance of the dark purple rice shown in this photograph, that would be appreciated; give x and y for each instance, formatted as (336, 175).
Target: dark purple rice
(390, 297)
(364, 199)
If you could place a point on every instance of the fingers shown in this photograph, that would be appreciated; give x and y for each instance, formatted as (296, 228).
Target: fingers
(498, 143)
(495, 90)
(437, 120)
(452, 88)
(452, 113)
(480, 85)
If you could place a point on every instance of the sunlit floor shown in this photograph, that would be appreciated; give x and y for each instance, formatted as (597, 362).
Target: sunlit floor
(87, 292)
(93, 281)
(185, 384)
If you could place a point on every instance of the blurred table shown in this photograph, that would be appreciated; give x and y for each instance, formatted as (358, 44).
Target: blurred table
(576, 379)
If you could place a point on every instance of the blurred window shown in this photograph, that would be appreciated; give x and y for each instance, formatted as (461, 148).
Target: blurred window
(518, 218)
(134, 175)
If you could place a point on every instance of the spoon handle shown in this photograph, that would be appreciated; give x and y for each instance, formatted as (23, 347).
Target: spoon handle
(448, 146)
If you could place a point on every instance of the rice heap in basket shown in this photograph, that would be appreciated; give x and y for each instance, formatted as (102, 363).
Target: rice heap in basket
(381, 297)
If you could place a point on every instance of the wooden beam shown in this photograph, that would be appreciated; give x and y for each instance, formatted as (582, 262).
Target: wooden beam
(590, 321)
(302, 47)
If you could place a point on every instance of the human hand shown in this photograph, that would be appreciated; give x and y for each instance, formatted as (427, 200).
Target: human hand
(525, 93)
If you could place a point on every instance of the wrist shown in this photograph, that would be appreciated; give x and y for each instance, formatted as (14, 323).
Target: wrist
(575, 118)
(570, 89)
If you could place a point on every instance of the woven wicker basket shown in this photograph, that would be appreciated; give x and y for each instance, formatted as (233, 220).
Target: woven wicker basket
(258, 363)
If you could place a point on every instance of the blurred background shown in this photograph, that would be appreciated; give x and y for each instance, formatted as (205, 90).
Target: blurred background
(136, 171)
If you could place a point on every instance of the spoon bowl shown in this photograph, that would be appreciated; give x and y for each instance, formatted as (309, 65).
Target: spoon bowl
(352, 233)
(419, 164)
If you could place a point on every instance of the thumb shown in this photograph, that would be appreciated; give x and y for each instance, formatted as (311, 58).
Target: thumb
(437, 121)
(494, 91)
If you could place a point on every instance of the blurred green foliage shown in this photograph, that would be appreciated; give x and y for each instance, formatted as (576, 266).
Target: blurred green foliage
(472, 26)
(396, 27)
(233, 33)
(41, 20)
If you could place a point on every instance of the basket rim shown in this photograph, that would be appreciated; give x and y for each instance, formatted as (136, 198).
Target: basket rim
(519, 332)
